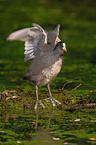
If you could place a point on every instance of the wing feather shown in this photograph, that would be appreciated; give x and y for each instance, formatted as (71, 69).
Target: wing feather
(35, 39)
(20, 35)
(53, 36)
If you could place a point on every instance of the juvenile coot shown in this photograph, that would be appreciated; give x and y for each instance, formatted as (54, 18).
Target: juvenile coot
(46, 51)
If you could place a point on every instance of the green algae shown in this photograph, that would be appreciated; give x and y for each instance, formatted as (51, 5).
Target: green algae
(19, 122)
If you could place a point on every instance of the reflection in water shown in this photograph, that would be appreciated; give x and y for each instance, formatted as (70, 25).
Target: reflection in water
(45, 125)
(36, 120)
(50, 117)
(32, 126)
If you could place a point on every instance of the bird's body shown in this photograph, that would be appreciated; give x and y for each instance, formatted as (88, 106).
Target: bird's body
(44, 69)
(47, 53)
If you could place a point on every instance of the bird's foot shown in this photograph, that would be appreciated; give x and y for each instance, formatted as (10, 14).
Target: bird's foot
(39, 102)
(56, 101)
(47, 99)
(52, 101)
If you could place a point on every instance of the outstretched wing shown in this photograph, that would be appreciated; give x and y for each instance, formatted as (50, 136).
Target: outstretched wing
(34, 37)
(53, 36)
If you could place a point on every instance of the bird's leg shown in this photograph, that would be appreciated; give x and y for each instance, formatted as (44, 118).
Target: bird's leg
(38, 101)
(51, 98)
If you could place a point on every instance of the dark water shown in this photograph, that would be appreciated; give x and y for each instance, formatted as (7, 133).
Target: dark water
(74, 122)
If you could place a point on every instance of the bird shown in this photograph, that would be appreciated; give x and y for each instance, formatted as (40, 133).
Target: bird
(46, 52)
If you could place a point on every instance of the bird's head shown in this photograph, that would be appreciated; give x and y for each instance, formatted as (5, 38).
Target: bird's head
(61, 46)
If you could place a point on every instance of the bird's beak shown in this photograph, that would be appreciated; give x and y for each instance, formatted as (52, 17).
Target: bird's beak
(64, 49)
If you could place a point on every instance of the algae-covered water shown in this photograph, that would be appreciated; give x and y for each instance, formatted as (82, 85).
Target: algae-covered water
(73, 122)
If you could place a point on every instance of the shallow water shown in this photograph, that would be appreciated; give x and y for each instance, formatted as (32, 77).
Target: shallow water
(49, 126)
(74, 122)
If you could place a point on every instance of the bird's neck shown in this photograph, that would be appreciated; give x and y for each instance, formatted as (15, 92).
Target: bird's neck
(59, 52)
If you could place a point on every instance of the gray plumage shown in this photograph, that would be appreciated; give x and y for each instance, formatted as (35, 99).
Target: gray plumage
(46, 51)
(43, 69)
